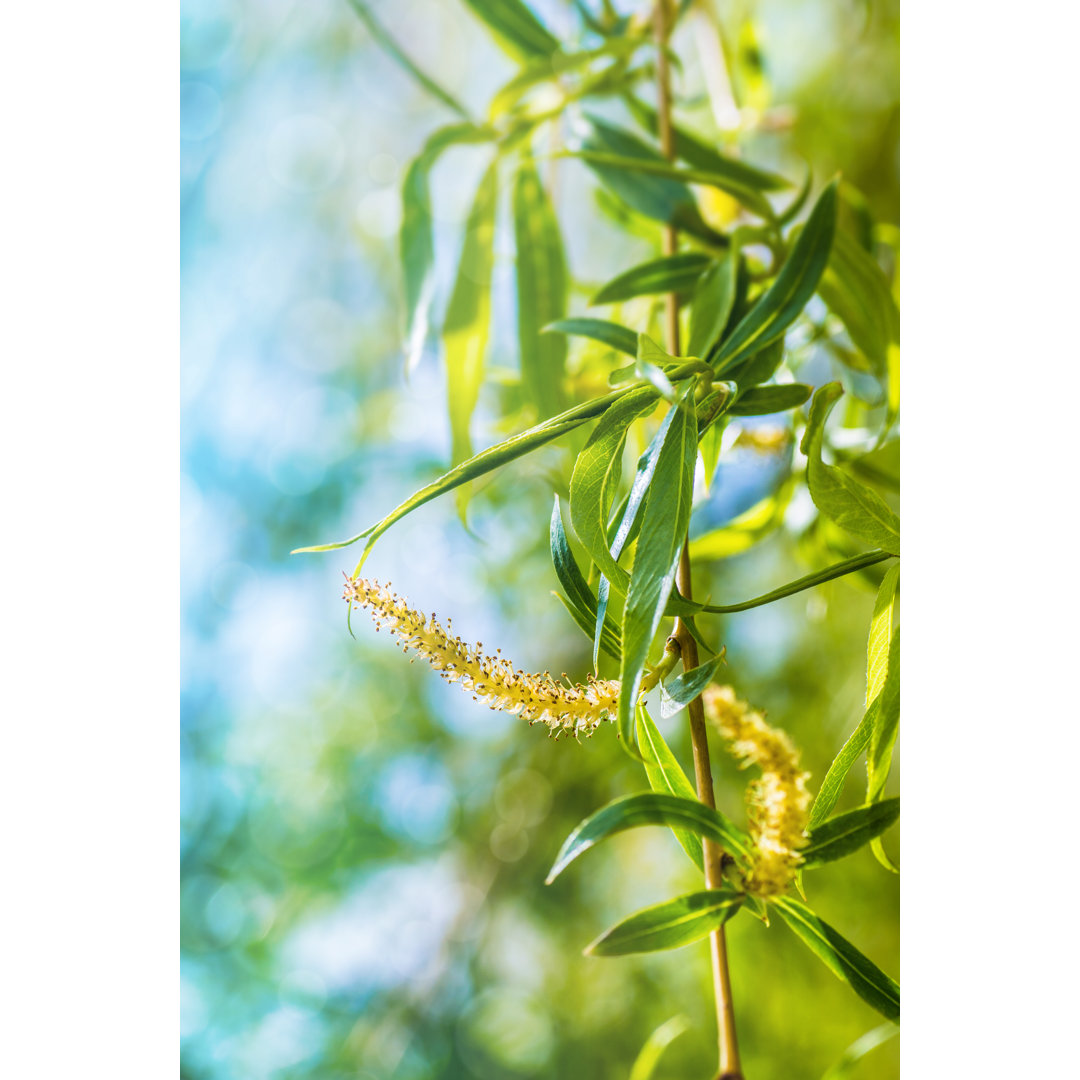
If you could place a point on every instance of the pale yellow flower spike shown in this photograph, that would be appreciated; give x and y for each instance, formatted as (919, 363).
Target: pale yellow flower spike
(571, 710)
(778, 802)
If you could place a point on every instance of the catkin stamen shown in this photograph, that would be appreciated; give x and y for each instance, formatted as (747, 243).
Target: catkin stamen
(778, 802)
(570, 709)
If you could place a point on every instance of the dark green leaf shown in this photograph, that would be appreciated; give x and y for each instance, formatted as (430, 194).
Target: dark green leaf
(681, 691)
(763, 400)
(669, 925)
(711, 306)
(515, 27)
(666, 776)
(635, 811)
(579, 598)
(596, 476)
(797, 281)
(842, 958)
(657, 197)
(465, 330)
(845, 833)
(541, 291)
(390, 46)
(663, 530)
(415, 239)
(852, 505)
(759, 367)
(618, 337)
(671, 273)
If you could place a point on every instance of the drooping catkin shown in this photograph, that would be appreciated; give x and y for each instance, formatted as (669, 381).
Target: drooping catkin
(565, 709)
(778, 802)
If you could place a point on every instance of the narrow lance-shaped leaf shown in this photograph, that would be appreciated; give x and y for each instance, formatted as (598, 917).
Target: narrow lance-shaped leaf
(711, 306)
(831, 787)
(840, 497)
(612, 334)
(416, 244)
(681, 691)
(541, 291)
(390, 46)
(465, 331)
(845, 833)
(663, 530)
(669, 925)
(881, 629)
(842, 958)
(515, 27)
(670, 273)
(886, 724)
(765, 400)
(649, 1056)
(845, 1065)
(657, 197)
(785, 299)
(666, 776)
(596, 476)
(582, 603)
(635, 811)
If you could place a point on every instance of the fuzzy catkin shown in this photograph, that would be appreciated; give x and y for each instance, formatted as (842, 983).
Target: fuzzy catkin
(571, 710)
(778, 802)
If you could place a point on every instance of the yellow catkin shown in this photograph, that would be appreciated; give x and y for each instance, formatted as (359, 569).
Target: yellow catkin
(565, 709)
(778, 802)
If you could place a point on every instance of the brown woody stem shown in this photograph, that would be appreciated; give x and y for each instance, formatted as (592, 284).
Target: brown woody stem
(730, 1068)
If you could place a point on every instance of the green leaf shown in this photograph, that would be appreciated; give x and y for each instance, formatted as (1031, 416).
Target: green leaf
(797, 281)
(579, 598)
(759, 367)
(704, 157)
(845, 833)
(842, 958)
(515, 27)
(886, 725)
(669, 925)
(855, 288)
(416, 245)
(666, 776)
(829, 793)
(742, 182)
(541, 291)
(618, 337)
(645, 1063)
(468, 314)
(763, 400)
(671, 273)
(881, 628)
(666, 515)
(657, 197)
(549, 67)
(841, 498)
(845, 1065)
(596, 477)
(711, 306)
(681, 691)
(390, 46)
(649, 808)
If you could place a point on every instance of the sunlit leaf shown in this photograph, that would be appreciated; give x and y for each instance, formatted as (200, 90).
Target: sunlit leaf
(831, 787)
(645, 1063)
(845, 1065)
(468, 314)
(663, 529)
(845, 833)
(670, 273)
(681, 691)
(669, 925)
(541, 291)
(764, 400)
(842, 958)
(840, 497)
(785, 299)
(666, 776)
(886, 725)
(881, 630)
(650, 808)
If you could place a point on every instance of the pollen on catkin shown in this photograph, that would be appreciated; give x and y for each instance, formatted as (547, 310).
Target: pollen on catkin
(778, 802)
(565, 709)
